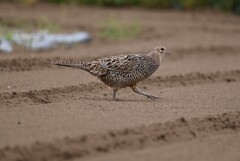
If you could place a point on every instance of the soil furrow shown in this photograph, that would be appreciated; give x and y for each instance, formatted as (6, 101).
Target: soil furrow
(38, 63)
(125, 139)
(52, 113)
(52, 95)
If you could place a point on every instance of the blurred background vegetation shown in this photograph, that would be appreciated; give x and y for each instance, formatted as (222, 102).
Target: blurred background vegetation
(223, 5)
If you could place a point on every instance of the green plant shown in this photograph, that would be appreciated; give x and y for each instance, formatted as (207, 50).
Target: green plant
(6, 32)
(118, 3)
(156, 3)
(45, 24)
(21, 24)
(115, 30)
(225, 5)
(28, 2)
(12, 22)
(9, 36)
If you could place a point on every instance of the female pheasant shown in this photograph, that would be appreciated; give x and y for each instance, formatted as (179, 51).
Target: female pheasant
(123, 70)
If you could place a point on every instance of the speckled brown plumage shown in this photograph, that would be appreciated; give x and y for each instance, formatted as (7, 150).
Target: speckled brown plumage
(122, 70)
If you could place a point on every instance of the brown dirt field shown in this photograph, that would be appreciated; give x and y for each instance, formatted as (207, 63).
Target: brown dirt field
(50, 113)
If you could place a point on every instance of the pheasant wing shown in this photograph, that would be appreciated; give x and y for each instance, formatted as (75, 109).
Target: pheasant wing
(121, 63)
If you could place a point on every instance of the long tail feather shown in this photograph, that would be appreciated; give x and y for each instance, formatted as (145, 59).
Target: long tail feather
(92, 67)
(81, 65)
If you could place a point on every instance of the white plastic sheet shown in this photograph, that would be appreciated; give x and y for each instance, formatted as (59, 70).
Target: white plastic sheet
(5, 46)
(43, 40)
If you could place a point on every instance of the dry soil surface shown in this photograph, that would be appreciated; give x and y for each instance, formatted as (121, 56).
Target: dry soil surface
(50, 113)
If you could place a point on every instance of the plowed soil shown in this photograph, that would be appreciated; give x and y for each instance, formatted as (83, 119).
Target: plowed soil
(50, 113)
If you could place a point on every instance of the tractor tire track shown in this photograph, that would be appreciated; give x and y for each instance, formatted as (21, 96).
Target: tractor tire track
(39, 63)
(88, 91)
(126, 139)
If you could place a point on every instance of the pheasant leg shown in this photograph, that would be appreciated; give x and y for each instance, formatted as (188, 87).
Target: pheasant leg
(114, 93)
(138, 91)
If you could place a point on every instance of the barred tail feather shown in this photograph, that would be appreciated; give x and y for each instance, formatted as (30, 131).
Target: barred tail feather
(81, 65)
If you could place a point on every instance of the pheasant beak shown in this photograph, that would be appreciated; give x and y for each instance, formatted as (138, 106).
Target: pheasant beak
(168, 52)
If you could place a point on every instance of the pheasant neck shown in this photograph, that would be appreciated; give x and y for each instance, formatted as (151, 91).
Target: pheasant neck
(160, 59)
(156, 57)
